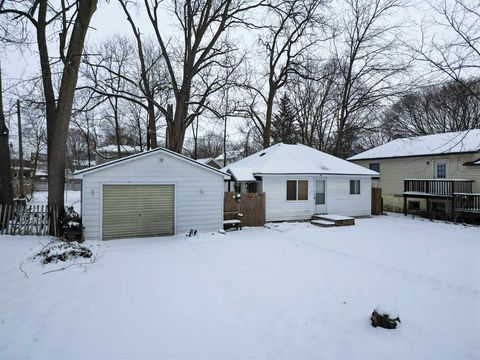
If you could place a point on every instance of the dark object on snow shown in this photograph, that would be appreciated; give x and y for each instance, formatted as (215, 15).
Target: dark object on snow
(72, 226)
(384, 320)
(61, 251)
(192, 233)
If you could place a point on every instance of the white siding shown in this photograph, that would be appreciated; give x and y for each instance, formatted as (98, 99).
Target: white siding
(278, 208)
(198, 191)
(338, 198)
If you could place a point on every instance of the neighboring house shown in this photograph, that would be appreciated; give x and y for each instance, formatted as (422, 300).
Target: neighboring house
(210, 162)
(154, 193)
(299, 181)
(232, 156)
(421, 174)
(110, 152)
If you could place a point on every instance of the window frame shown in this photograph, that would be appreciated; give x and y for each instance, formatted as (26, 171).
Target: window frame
(297, 190)
(356, 189)
(435, 172)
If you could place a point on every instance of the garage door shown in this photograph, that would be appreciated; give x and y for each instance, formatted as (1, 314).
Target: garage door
(137, 211)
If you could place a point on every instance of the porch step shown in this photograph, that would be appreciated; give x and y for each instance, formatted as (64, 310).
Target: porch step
(338, 220)
(323, 223)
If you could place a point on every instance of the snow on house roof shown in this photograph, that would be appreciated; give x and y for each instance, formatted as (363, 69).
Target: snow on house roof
(207, 161)
(231, 154)
(453, 142)
(293, 159)
(113, 149)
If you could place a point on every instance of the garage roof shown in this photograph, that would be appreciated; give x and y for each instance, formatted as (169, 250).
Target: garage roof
(79, 174)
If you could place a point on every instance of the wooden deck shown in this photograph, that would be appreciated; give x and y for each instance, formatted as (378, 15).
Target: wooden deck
(455, 193)
(331, 220)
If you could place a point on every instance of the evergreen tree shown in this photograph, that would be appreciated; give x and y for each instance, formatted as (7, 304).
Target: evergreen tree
(283, 124)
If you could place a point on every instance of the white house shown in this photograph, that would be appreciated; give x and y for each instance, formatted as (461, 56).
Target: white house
(299, 181)
(154, 193)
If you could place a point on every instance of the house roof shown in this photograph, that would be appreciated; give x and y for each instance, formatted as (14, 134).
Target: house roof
(292, 159)
(231, 154)
(80, 173)
(207, 160)
(446, 143)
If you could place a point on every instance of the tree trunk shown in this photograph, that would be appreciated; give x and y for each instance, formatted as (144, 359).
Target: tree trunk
(177, 128)
(268, 120)
(152, 126)
(59, 114)
(6, 189)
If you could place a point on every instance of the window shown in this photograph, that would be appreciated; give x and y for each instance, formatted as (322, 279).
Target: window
(354, 187)
(320, 193)
(414, 205)
(297, 190)
(440, 169)
(374, 167)
(302, 189)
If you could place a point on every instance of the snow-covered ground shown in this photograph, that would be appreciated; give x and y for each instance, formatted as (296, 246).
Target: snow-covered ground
(291, 291)
(72, 198)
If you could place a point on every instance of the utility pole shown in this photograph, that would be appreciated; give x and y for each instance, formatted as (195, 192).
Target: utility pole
(169, 118)
(20, 151)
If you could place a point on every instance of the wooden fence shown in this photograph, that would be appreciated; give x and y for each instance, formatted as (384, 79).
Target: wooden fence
(377, 201)
(21, 219)
(250, 205)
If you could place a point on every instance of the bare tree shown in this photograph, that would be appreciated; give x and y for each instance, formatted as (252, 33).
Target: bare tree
(368, 62)
(457, 56)
(72, 20)
(292, 31)
(434, 109)
(193, 60)
(121, 70)
(314, 101)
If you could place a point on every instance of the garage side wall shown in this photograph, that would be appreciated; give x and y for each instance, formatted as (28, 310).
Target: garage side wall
(198, 192)
(340, 201)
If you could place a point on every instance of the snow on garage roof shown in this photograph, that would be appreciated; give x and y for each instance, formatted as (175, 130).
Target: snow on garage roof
(292, 159)
(79, 174)
(446, 143)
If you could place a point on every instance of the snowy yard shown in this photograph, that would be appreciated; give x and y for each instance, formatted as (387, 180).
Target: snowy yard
(292, 291)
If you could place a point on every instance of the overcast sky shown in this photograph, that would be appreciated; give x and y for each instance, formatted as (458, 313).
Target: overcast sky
(109, 20)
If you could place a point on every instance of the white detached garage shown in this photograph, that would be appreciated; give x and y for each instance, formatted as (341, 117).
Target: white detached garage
(155, 193)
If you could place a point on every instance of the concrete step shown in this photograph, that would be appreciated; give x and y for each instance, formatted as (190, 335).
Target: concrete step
(322, 223)
(338, 220)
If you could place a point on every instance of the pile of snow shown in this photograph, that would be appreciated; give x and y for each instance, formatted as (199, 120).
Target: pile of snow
(57, 250)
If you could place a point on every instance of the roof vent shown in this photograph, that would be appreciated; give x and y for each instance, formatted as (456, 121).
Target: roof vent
(262, 154)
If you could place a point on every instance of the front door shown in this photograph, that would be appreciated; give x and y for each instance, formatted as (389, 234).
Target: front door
(320, 198)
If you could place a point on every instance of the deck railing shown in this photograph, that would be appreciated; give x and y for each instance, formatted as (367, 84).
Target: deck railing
(439, 187)
(469, 203)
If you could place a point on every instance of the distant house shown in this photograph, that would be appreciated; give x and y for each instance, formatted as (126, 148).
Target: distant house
(210, 162)
(153, 193)
(299, 181)
(232, 156)
(110, 152)
(422, 174)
